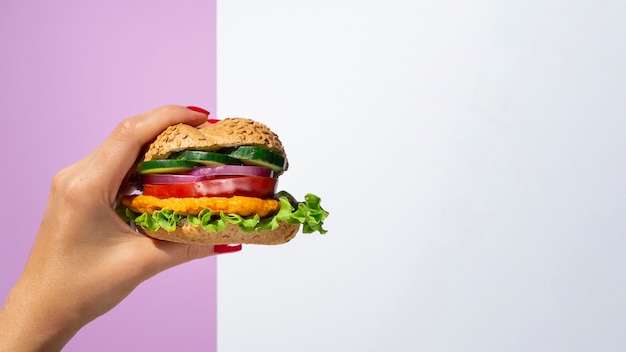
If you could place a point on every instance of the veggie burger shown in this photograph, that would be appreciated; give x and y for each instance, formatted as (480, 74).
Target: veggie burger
(216, 184)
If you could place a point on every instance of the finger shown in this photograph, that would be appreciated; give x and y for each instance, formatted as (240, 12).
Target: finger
(116, 155)
(164, 254)
(181, 253)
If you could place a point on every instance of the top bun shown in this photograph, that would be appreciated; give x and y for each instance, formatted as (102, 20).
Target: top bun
(229, 132)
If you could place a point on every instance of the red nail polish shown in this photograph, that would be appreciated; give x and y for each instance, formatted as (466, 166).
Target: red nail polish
(213, 121)
(226, 248)
(197, 109)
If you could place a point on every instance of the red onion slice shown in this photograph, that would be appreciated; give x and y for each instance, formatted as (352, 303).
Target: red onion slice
(165, 179)
(231, 170)
(202, 173)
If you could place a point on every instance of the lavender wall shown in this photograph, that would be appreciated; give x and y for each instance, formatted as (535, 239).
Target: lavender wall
(75, 66)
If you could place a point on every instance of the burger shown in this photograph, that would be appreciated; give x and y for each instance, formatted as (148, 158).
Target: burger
(216, 184)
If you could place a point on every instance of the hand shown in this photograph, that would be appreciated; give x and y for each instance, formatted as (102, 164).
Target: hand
(85, 259)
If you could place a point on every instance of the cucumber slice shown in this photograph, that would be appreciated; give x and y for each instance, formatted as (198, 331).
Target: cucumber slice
(258, 156)
(164, 166)
(207, 158)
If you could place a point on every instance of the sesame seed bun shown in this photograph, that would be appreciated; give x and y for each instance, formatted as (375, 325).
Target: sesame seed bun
(229, 132)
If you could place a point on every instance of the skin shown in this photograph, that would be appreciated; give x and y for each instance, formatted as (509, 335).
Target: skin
(80, 267)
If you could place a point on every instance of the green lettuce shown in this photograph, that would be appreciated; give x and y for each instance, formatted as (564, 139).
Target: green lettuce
(309, 214)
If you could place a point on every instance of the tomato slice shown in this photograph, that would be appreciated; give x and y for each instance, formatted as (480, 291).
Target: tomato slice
(248, 186)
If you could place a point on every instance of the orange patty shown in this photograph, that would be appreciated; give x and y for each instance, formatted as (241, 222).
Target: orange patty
(244, 206)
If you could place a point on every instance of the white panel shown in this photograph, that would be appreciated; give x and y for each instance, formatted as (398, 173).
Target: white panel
(472, 156)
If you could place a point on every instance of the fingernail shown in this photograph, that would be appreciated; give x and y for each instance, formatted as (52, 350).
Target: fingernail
(197, 109)
(226, 248)
(213, 120)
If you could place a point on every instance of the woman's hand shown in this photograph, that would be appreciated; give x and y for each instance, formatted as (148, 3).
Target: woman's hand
(85, 259)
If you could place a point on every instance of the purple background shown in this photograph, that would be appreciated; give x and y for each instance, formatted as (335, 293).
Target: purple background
(82, 66)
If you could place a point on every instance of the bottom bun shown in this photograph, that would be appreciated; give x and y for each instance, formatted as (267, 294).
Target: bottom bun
(232, 234)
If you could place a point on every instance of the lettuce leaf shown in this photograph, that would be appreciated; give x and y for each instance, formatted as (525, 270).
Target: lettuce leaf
(309, 214)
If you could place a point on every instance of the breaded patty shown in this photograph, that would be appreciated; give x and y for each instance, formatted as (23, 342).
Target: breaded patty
(244, 206)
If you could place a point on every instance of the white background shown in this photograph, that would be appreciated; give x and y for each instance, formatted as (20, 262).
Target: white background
(472, 157)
